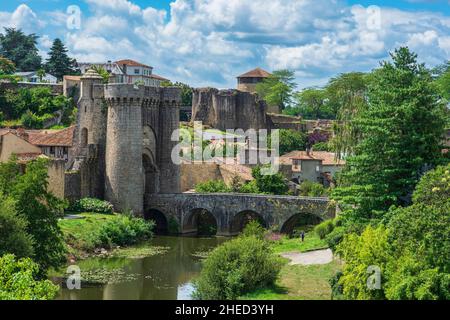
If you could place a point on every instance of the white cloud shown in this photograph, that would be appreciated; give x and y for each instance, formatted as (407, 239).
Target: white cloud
(23, 17)
(209, 42)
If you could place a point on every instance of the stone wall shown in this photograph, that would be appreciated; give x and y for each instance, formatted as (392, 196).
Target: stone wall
(56, 178)
(195, 173)
(229, 109)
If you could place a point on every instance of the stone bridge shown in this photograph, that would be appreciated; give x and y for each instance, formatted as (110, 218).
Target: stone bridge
(231, 212)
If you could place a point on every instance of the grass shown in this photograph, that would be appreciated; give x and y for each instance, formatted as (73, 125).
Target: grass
(300, 283)
(78, 232)
(312, 242)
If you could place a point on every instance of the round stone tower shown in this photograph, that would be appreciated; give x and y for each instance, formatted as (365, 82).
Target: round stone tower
(124, 184)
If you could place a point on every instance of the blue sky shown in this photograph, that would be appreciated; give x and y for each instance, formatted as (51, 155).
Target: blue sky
(210, 42)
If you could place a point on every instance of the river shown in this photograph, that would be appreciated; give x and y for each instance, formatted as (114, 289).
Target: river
(165, 276)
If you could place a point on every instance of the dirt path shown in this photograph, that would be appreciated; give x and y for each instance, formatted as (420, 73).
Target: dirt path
(309, 258)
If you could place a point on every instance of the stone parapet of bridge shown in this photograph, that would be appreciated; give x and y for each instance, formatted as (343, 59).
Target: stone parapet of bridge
(231, 210)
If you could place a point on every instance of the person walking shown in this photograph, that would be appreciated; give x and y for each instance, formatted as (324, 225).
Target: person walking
(303, 236)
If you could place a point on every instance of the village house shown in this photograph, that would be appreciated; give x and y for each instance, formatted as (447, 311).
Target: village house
(28, 145)
(127, 71)
(315, 166)
(33, 77)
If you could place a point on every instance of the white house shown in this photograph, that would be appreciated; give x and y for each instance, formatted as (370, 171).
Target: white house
(127, 71)
(32, 76)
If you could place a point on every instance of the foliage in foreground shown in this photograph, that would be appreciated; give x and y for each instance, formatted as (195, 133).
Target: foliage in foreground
(237, 267)
(92, 205)
(40, 208)
(19, 280)
(411, 248)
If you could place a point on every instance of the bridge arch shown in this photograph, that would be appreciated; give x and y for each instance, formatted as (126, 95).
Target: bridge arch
(299, 220)
(160, 219)
(201, 222)
(241, 219)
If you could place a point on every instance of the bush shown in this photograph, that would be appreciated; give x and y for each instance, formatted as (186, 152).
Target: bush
(254, 228)
(18, 280)
(312, 189)
(125, 230)
(213, 186)
(250, 187)
(237, 267)
(31, 121)
(323, 229)
(335, 237)
(92, 205)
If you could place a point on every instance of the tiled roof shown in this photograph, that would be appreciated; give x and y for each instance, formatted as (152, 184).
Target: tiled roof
(255, 73)
(59, 138)
(155, 76)
(44, 138)
(132, 63)
(328, 158)
(73, 78)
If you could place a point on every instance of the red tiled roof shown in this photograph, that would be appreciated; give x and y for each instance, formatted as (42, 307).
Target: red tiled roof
(132, 63)
(328, 158)
(155, 76)
(57, 138)
(255, 73)
(72, 78)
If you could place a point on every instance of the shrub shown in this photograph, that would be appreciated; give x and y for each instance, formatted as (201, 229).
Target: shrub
(237, 267)
(323, 229)
(125, 230)
(18, 280)
(254, 228)
(312, 189)
(31, 121)
(213, 186)
(92, 205)
(249, 187)
(335, 237)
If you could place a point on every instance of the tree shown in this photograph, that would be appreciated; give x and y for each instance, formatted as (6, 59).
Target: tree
(6, 66)
(20, 49)
(290, 140)
(401, 132)
(313, 104)
(59, 63)
(102, 72)
(13, 230)
(41, 74)
(278, 88)
(271, 184)
(19, 280)
(40, 208)
(186, 91)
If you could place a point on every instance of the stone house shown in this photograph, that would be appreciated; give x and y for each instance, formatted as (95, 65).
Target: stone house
(314, 166)
(247, 81)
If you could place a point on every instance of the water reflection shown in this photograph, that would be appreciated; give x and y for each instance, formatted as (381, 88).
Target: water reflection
(166, 276)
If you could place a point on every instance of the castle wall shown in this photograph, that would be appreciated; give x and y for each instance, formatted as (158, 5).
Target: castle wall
(124, 174)
(229, 109)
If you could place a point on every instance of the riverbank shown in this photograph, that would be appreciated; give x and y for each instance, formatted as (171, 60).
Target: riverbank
(94, 234)
(298, 281)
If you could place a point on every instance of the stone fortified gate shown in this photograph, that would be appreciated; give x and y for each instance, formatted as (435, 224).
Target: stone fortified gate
(232, 211)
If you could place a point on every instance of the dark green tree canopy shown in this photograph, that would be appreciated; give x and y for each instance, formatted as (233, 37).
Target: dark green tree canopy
(59, 63)
(20, 49)
(278, 88)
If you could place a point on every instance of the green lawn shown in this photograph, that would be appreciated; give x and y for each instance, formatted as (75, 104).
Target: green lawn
(312, 242)
(78, 232)
(300, 283)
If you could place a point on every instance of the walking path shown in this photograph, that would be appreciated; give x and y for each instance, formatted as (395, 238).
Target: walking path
(309, 258)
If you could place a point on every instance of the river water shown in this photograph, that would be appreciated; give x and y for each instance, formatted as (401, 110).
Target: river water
(165, 276)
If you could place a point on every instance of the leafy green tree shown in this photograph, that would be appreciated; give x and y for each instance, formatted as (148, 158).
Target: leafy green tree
(59, 63)
(41, 74)
(186, 91)
(13, 230)
(401, 132)
(103, 73)
(313, 104)
(312, 189)
(278, 88)
(237, 267)
(40, 208)
(19, 280)
(290, 140)
(6, 66)
(271, 184)
(20, 49)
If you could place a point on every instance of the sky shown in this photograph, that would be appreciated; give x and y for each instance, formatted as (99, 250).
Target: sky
(210, 42)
